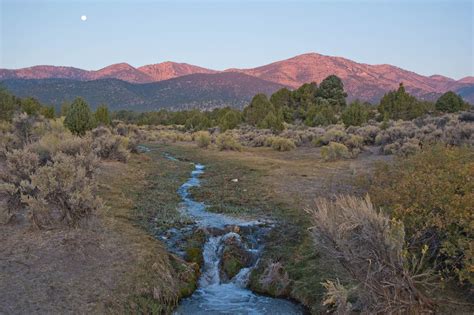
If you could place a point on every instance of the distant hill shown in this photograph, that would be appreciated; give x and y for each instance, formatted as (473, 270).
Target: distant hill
(362, 81)
(122, 71)
(204, 91)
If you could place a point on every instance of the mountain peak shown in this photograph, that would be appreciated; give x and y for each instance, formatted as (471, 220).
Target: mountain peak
(168, 70)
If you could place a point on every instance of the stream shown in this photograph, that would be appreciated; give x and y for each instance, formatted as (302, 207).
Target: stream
(216, 293)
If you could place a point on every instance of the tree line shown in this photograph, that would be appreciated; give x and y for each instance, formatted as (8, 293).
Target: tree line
(310, 105)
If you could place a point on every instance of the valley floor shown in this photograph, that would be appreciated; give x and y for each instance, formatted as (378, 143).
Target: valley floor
(263, 183)
(115, 265)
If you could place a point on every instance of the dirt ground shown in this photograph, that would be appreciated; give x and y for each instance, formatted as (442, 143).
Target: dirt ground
(111, 265)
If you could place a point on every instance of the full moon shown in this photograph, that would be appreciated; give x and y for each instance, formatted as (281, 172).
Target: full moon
(83, 17)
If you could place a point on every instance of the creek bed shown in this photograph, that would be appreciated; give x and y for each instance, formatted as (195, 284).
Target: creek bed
(222, 287)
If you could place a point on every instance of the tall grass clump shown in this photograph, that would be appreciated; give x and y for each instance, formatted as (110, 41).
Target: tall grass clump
(203, 138)
(334, 151)
(369, 245)
(228, 142)
(280, 143)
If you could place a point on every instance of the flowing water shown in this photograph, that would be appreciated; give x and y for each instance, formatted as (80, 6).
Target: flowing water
(215, 293)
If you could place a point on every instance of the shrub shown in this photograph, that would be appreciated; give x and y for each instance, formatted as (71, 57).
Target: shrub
(334, 151)
(203, 139)
(282, 144)
(354, 142)
(370, 247)
(228, 142)
(368, 133)
(432, 193)
(64, 192)
(23, 126)
(109, 146)
(20, 164)
(410, 147)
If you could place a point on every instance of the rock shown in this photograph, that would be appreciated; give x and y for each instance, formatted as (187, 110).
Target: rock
(234, 257)
(274, 280)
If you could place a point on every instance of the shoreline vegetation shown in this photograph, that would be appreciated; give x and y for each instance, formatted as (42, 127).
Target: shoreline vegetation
(82, 201)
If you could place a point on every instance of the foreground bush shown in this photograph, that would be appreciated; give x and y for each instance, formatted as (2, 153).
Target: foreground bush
(49, 176)
(370, 247)
(64, 192)
(228, 142)
(203, 139)
(432, 192)
(334, 151)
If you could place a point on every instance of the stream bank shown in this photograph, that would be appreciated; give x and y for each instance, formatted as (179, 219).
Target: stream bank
(231, 249)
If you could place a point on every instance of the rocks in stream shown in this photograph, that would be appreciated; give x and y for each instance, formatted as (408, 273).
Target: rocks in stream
(234, 257)
(272, 279)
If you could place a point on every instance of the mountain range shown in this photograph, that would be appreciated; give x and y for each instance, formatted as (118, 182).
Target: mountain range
(180, 85)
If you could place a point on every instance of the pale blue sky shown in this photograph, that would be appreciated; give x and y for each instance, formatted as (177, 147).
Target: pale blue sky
(428, 37)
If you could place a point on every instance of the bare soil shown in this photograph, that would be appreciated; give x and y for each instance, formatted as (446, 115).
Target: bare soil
(111, 265)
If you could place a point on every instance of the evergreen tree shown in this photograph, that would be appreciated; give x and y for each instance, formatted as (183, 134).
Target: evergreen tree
(48, 112)
(79, 117)
(30, 105)
(401, 105)
(258, 109)
(102, 116)
(198, 121)
(332, 89)
(231, 119)
(65, 106)
(355, 114)
(272, 121)
(451, 102)
(304, 96)
(281, 98)
(7, 105)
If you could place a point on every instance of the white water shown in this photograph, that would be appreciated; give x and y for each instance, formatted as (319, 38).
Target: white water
(214, 296)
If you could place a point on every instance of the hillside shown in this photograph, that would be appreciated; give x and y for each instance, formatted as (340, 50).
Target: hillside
(122, 71)
(203, 91)
(362, 81)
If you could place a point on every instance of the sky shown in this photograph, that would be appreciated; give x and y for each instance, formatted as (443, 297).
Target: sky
(427, 37)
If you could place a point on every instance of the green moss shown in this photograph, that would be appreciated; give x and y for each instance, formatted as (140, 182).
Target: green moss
(232, 266)
(194, 254)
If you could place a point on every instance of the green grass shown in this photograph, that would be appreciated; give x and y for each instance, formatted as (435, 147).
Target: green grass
(156, 205)
(135, 193)
(255, 196)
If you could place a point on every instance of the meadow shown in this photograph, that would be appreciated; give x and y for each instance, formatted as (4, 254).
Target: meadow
(372, 206)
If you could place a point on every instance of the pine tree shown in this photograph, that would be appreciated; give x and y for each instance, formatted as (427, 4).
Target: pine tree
(102, 116)
(79, 118)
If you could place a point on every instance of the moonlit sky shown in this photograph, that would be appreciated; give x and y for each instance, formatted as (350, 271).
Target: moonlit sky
(428, 37)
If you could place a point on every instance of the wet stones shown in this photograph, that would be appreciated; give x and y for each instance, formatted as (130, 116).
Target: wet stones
(273, 280)
(234, 256)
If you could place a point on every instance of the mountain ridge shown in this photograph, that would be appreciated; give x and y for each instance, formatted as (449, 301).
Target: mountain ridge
(199, 90)
(362, 81)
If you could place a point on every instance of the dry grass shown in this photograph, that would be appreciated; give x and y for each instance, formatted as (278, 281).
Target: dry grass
(370, 247)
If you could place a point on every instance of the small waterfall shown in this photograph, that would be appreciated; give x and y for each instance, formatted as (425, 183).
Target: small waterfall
(211, 253)
(215, 296)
